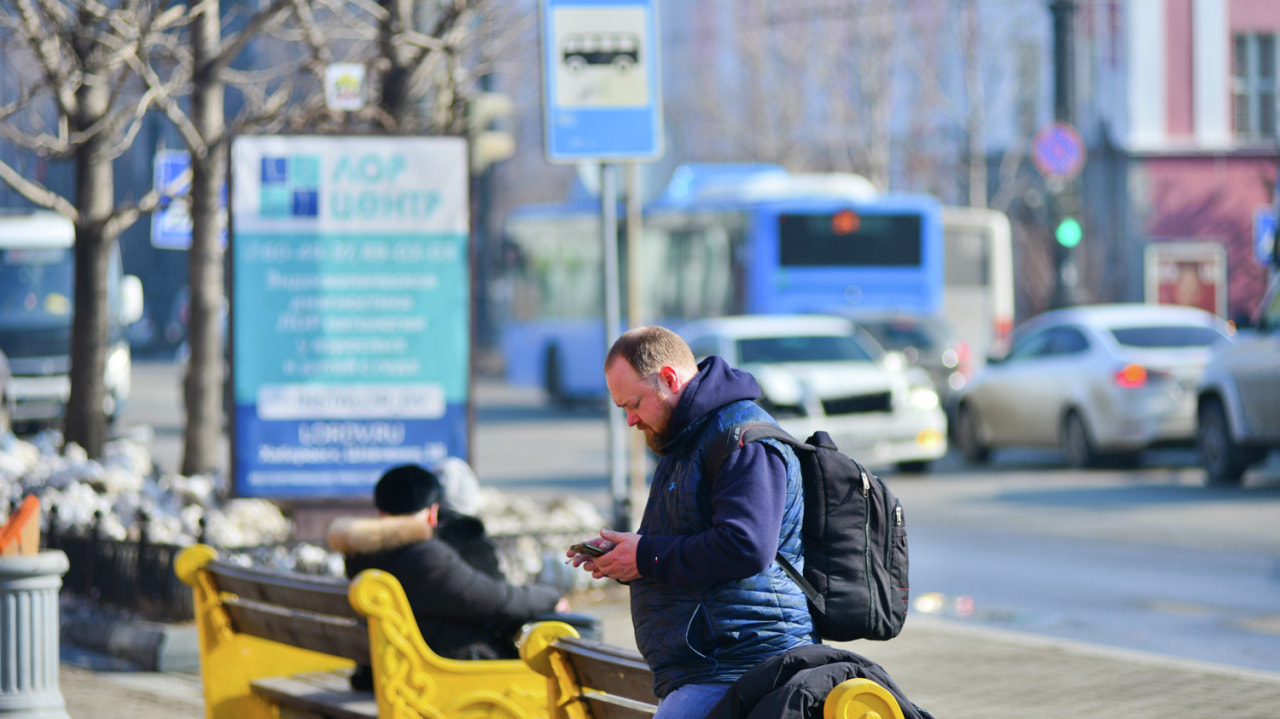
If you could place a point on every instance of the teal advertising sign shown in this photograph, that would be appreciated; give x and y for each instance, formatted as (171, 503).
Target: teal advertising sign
(350, 310)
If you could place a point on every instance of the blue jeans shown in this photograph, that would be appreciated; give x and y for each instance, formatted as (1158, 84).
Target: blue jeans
(691, 701)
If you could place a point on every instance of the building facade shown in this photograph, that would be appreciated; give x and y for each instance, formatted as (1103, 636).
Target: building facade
(1197, 132)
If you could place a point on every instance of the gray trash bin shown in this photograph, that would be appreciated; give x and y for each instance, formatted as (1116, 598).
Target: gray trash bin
(29, 627)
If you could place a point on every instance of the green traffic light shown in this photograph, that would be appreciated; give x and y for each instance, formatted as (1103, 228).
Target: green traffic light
(1069, 232)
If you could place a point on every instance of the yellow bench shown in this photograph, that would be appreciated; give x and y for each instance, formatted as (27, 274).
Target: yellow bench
(590, 680)
(276, 644)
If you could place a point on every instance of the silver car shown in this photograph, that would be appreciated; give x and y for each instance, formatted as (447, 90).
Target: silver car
(1239, 402)
(1100, 381)
(823, 373)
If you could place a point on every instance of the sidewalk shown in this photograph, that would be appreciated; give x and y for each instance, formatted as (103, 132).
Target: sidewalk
(954, 669)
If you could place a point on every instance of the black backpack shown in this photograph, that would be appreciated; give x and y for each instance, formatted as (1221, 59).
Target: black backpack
(855, 537)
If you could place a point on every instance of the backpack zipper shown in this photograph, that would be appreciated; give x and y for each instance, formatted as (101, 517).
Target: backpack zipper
(866, 539)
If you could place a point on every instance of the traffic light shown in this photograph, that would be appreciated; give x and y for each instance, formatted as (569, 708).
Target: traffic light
(1069, 233)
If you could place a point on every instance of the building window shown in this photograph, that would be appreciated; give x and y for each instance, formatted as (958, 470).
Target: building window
(1254, 85)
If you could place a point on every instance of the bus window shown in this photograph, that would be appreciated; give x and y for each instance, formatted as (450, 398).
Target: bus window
(829, 239)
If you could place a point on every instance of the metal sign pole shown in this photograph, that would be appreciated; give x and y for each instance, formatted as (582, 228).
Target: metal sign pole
(635, 315)
(613, 328)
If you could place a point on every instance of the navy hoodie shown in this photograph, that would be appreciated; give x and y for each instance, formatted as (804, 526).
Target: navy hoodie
(710, 601)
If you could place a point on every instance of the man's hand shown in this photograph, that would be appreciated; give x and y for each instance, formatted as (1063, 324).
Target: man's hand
(578, 559)
(620, 562)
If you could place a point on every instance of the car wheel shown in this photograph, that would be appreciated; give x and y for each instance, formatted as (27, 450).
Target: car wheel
(916, 467)
(1223, 460)
(971, 446)
(1075, 441)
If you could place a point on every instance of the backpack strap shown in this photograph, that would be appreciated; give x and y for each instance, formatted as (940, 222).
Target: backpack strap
(735, 438)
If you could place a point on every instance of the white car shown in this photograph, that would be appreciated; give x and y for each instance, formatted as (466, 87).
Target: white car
(824, 373)
(1100, 381)
(1238, 408)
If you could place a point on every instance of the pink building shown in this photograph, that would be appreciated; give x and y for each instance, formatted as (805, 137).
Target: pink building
(1200, 131)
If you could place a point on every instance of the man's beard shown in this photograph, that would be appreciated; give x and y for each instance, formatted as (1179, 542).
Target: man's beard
(656, 437)
(654, 440)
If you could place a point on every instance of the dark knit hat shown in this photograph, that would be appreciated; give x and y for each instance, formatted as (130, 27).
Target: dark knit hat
(406, 489)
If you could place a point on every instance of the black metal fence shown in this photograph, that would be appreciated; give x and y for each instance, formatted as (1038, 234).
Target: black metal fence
(132, 575)
(136, 576)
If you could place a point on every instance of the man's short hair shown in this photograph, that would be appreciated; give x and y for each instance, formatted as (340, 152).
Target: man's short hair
(648, 349)
(407, 489)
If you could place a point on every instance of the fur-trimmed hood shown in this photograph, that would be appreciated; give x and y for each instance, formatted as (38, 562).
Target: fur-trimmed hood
(365, 535)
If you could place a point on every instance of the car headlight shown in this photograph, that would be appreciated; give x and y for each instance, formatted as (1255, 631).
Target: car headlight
(922, 397)
(780, 387)
(118, 361)
(920, 391)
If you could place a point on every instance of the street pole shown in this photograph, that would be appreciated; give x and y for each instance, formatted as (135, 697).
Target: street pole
(1065, 193)
(613, 323)
(635, 318)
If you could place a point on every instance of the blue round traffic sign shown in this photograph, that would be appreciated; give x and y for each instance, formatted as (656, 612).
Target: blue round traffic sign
(1058, 151)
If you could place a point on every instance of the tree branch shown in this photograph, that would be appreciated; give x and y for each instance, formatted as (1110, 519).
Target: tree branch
(256, 23)
(37, 193)
(61, 79)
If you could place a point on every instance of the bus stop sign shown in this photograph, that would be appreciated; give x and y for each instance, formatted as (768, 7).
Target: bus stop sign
(601, 92)
(1058, 151)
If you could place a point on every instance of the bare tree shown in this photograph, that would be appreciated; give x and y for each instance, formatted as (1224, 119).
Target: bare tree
(421, 58)
(202, 66)
(805, 85)
(83, 103)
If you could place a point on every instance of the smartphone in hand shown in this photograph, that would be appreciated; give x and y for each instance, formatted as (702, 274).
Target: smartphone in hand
(590, 550)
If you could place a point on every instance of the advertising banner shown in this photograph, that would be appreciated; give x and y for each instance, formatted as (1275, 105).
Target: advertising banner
(350, 310)
(1187, 273)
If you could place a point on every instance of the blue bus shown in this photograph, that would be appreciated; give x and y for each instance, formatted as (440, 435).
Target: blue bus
(722, 239)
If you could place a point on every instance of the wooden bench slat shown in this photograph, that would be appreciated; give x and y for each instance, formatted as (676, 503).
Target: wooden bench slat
(610, 669)
(308, 694)
(608, 706)
(348, 638)
(323, 595)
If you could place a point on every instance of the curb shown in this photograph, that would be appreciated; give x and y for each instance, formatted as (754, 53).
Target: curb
(150, 646)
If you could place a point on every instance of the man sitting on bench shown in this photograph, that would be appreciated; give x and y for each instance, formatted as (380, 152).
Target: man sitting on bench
(462, 612)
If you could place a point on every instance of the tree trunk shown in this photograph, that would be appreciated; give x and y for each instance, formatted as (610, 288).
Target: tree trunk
(395, 100)
(85, 422)
(203, 383)
(976, 117)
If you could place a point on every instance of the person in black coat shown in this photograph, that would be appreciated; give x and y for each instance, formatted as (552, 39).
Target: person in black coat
(795, 685)
(462, 612)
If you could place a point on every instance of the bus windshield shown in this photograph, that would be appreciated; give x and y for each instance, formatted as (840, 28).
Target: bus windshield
(36, 287)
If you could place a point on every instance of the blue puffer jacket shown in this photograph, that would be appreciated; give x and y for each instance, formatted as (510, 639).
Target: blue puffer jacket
(712, 602)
